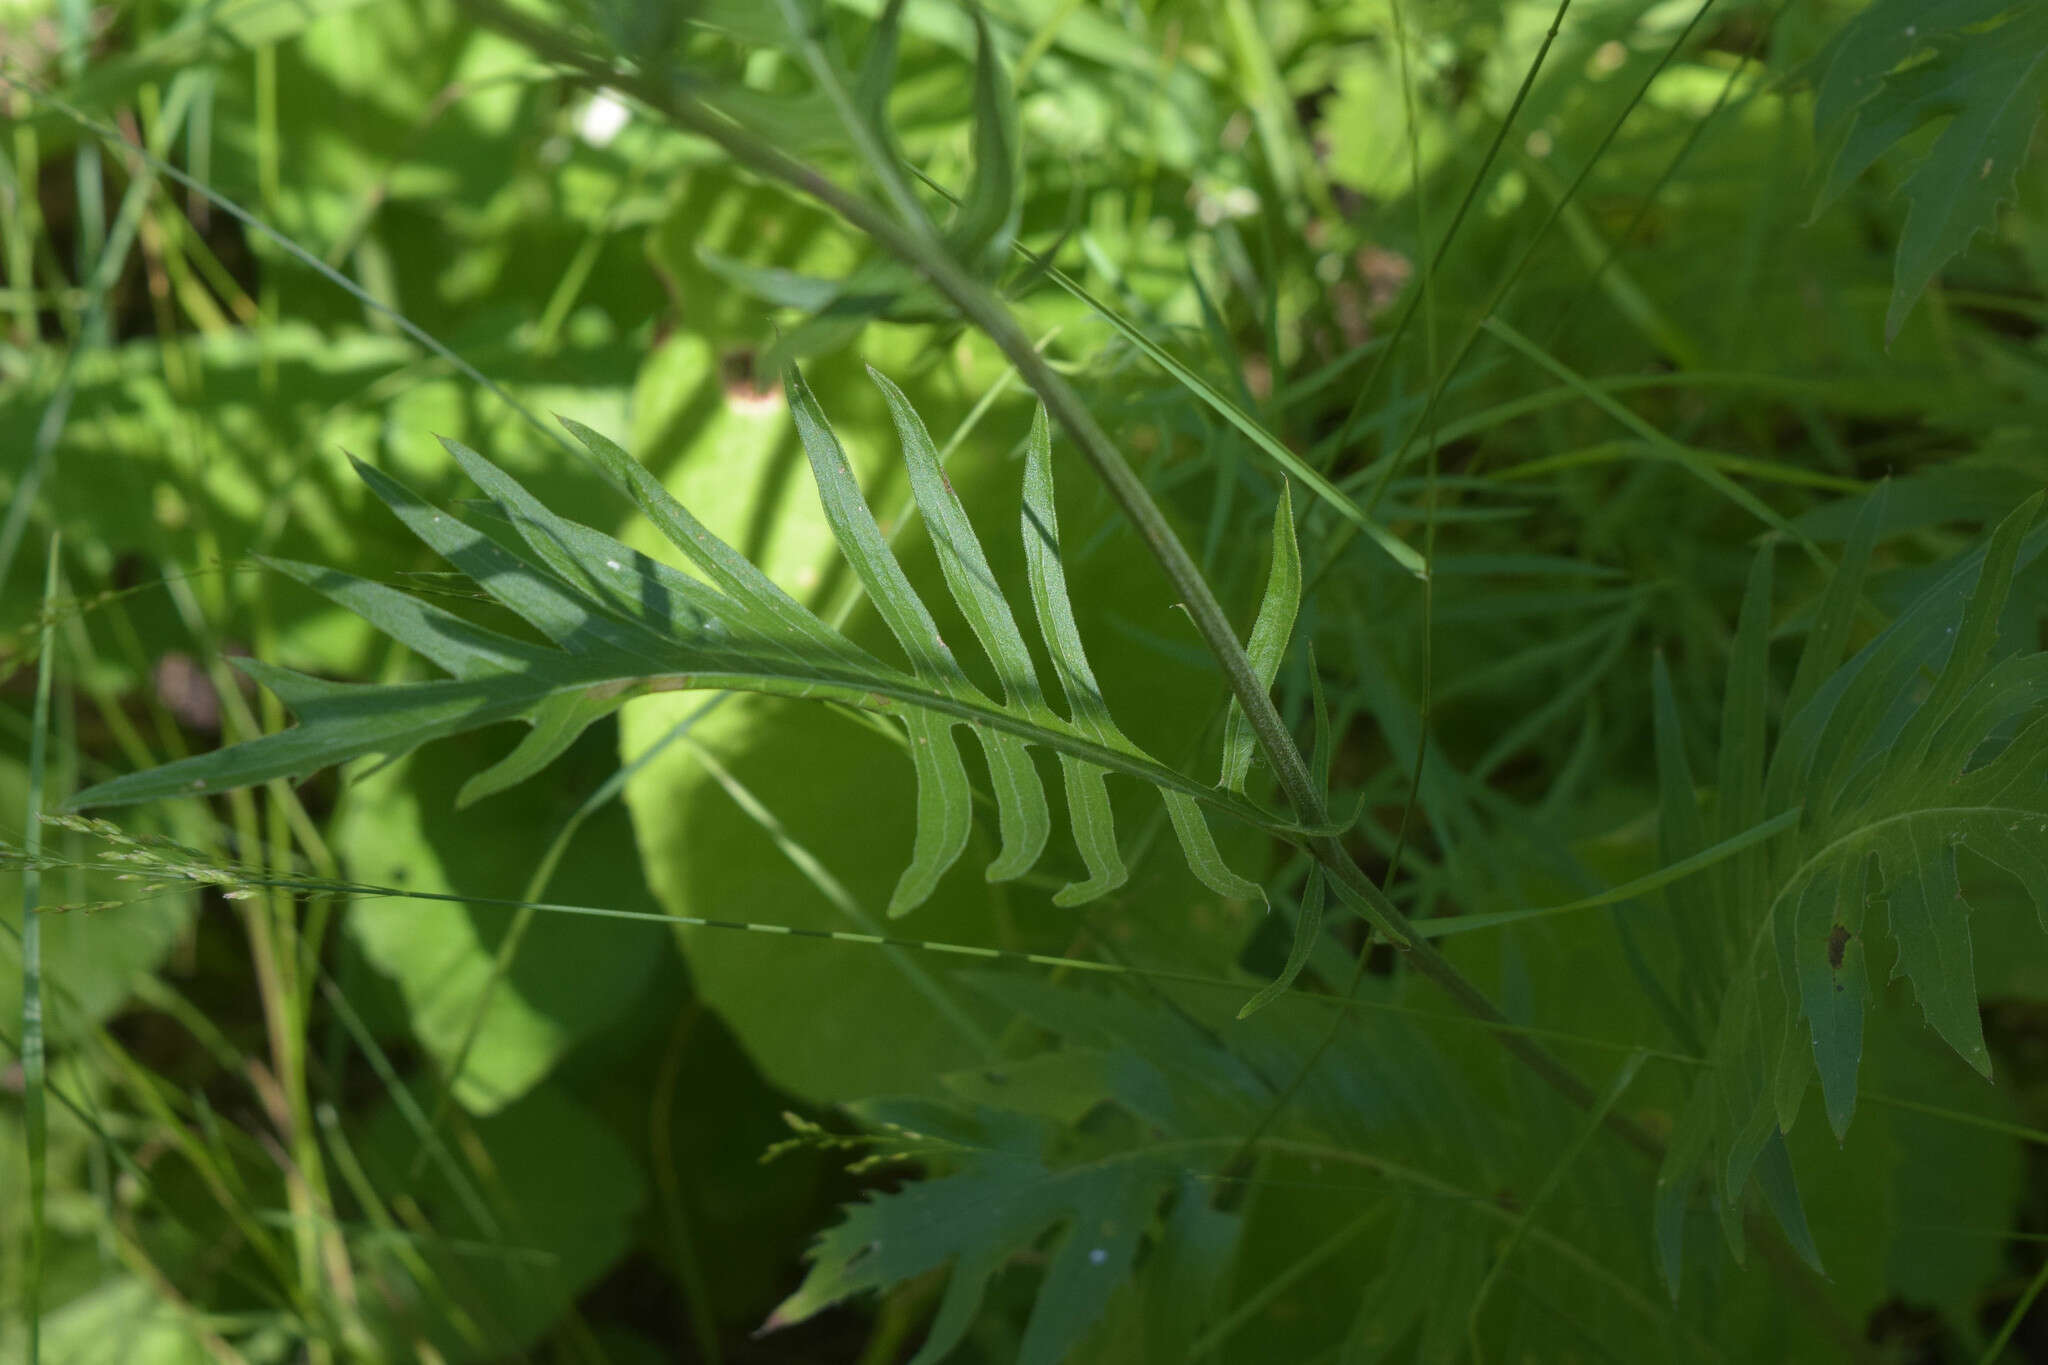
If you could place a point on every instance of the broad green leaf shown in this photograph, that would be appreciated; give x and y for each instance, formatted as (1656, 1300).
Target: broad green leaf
(558, 1183)
(1391, 1305)
(402, 826)
(1781, 1195)
(1827, 922)
(841, 791)
(1183, 1281)
(1877, 41)
(597, 623)
(1017, 1179)
(1954, 1167)
(123, 1321)
(1588, 1128)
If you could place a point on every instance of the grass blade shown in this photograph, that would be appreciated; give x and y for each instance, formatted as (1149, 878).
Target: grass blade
(1682, 834)
(1669, 875)
(1624, 1077)
(1683, 456)
(1739, 801)
(1219, 403)
(1828, 637)
(35, 1108)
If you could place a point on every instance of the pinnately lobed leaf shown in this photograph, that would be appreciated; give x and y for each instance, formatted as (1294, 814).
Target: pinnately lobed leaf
(1013, 1177)
(619, 624)
(1891, 777)
(1980, 65)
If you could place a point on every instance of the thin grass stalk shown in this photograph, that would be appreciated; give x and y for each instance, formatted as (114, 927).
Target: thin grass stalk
(34, 1081)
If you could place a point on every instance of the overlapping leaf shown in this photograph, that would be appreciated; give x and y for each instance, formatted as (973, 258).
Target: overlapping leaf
(1979, 65)
(1921, 745)
(1103, 1154)
(619, 623)
(1004, 1198)
(979, 234)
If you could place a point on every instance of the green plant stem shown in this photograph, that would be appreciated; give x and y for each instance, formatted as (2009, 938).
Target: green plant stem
(1391, 465)
(988, 313)
(2013, 1319)
(35, 1113)
(986, 310)
(1434, 260)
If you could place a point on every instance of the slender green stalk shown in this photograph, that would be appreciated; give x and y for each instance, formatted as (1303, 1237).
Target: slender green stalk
(33, 1075)
(320, 887)
(1435, 259)
(112, 256)
(1262, 1298)
(1391, 465)
(1616, 1088)
(2017, 1316)
(992, 316)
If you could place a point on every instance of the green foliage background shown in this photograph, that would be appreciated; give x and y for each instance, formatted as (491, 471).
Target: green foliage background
(1696, 348)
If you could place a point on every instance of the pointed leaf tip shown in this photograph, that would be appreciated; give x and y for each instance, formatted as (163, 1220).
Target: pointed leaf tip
(1307, 930)
(1268, 643)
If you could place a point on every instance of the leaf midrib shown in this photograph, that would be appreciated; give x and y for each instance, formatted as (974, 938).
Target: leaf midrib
(879, 693)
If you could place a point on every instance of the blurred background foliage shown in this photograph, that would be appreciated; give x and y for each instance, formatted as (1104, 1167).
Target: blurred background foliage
(467, 1131)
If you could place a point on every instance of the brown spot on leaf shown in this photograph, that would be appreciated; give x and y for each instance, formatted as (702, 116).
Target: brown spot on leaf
(1838, 940)
(746, 389)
